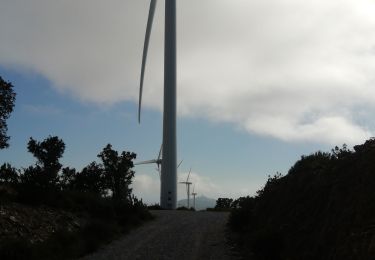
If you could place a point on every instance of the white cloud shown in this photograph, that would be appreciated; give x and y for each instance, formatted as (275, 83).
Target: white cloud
(203, 185)
(146, 187)
(289, 69)
(219, 188)
(332, 129)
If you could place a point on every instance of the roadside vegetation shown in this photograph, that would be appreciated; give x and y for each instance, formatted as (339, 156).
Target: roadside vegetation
(185, 208)
(323, 208)
(222, 204)
(48, 211)
(98, 195)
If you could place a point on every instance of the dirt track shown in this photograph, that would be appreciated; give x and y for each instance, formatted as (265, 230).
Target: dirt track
(173, 235)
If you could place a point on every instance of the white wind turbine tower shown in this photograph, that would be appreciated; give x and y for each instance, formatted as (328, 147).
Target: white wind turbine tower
(168, 189)
(187, 188)
(194, 194)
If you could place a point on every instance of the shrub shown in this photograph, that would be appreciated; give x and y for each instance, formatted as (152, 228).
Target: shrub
(8, 175)
(15, 249)
(117, 172)
(242, 215)
(155, 206)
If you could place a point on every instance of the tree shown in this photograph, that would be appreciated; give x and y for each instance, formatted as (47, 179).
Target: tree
(67, 178)
(118, 172)
(48, 152)
(223, 203)
(90, 179)
(7, 99)
(8, 174)
(339, 153)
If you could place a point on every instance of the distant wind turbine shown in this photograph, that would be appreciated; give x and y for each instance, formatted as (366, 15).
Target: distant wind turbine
(158, 161)
(168, 190)
(194, 194)
(187, 183)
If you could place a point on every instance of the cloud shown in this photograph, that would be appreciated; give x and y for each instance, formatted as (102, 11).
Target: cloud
(332, 129)
(203, 185)
(219, 188)
(296, 71)
(147, 186)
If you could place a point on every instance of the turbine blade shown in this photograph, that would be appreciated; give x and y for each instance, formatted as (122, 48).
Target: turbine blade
(145, 50)
(179, 164)
(145, 162)
(161, 147)
(188, 175)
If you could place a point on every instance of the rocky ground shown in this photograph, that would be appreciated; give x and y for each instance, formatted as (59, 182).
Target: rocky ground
(34, 224)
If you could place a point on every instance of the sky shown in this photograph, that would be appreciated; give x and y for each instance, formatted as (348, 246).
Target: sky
(260, 83)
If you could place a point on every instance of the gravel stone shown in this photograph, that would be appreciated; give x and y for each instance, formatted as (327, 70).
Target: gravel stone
(173, 235)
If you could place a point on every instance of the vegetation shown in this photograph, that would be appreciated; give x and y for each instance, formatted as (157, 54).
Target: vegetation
(7, 100)
(185, 208)
(100, 194)
(223, 204)
(117, 172)
(155, 206)
(324, 208)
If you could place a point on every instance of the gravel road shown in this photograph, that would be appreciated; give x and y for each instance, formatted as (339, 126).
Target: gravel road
(173, 235)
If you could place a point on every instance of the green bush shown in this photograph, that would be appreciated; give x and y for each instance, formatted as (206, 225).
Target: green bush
(321, 209)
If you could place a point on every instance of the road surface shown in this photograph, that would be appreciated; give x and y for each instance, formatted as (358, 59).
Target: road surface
(173, 235)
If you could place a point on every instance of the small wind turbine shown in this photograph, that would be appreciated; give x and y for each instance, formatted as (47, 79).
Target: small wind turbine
(187, 188)
(168, 183)
(194, 194)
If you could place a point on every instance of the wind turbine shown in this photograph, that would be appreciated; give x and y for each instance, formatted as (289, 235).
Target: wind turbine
(187, 188)
(158, 161)
(194, 194)
(168, 189)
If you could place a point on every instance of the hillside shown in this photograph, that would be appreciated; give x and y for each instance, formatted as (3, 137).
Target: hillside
(34, 224)
(201, 202)
(324, 208)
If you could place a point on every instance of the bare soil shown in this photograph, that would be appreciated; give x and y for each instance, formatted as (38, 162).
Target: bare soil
(174, 235)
